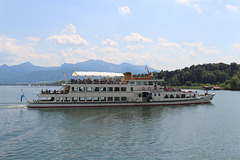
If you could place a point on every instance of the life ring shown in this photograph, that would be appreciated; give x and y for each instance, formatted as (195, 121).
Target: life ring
(149, 88)
(143, 88)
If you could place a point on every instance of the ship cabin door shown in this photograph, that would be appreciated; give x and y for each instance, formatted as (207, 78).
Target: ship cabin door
(145, 97)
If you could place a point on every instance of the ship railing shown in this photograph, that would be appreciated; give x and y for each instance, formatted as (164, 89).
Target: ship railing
(172, 89)
(54, 92)
(96, 82)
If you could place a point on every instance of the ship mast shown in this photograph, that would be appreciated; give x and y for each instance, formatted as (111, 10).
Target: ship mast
(147, 71)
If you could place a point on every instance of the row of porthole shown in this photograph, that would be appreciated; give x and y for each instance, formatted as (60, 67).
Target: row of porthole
(84, 99)
(180, 96)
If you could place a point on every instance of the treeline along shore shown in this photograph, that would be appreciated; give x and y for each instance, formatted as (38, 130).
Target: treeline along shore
(225, 76)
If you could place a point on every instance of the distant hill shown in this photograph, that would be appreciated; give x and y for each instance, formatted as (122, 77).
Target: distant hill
(28, 73)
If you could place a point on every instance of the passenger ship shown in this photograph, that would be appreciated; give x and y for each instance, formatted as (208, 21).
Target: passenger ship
(107, 89)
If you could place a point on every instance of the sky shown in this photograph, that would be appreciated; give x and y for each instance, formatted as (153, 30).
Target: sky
(163, 34)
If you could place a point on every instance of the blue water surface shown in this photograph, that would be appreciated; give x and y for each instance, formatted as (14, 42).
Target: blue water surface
(208, 131)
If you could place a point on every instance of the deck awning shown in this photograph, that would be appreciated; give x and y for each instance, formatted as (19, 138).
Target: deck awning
(101, 74)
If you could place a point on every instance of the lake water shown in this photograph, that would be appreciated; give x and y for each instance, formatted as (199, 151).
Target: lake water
(209, 131)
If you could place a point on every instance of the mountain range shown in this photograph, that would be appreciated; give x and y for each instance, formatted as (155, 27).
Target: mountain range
(29, 73)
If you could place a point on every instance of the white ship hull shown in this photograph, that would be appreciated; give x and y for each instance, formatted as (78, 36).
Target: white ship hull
(202, 100)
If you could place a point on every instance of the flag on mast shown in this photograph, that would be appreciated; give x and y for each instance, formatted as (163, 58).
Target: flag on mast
(22, 95)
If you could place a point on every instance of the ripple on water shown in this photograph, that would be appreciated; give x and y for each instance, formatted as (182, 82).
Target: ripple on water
(169, 132)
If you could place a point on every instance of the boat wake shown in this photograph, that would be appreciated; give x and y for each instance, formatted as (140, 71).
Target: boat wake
(4, 105)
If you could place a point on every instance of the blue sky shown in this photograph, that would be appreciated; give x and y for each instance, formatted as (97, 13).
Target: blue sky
(169, 34)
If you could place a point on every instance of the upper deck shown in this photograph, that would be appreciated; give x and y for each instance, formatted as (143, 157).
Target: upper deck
(109, 78)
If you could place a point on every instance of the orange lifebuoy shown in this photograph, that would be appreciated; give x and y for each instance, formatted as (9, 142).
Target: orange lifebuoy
(143, 88)
(149, 88)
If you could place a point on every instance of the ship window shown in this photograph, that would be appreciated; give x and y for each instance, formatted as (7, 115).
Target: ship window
(193, 95)
(183, 96)
(171, 96)
(74, 99)
(177, 96)
(95, 98)
(116, 98)
(145, 83)
(132, 82)
(155, 94)
(159, 94)
(103, 89)
(150, 83)
(58, 99)
(139, 82)
(110, 89)
(131, 88)
(139, 95)
(67, 99)
(188, 95)
(89, 89)
(81, 98)
(81, 89)
(123, 89)
(110, 98)
(74, 89)
(89, 98)
(123, 98)
(166, 96)
(159, 83)
(96, 89)
(103, 98)
(116, 88)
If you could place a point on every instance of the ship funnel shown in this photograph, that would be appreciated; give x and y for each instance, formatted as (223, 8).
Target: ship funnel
(128, 76)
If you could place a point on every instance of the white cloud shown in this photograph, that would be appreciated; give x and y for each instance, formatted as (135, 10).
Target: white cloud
(137, 38)
(68, 36)
(124, 10)
(236, 46)
(34, 39)
(70, 29)
(231, 7)
(110, 42)
(189, 53)
(134, 47)
(13, 52)
(79, 55)
(198, 49)
(191, 3)
(68, 39)
(130, 57)
(196, 6)
(11, 47)
(187, 2)
(109, 50)
(230, 59)
(169, 45)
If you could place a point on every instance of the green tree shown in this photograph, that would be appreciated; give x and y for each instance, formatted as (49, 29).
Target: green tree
(174, 81)
(235, 83)
(188, 83)
(208, 77)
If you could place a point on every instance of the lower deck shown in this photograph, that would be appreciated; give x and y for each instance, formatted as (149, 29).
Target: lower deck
(200, 100)
(141, 96)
